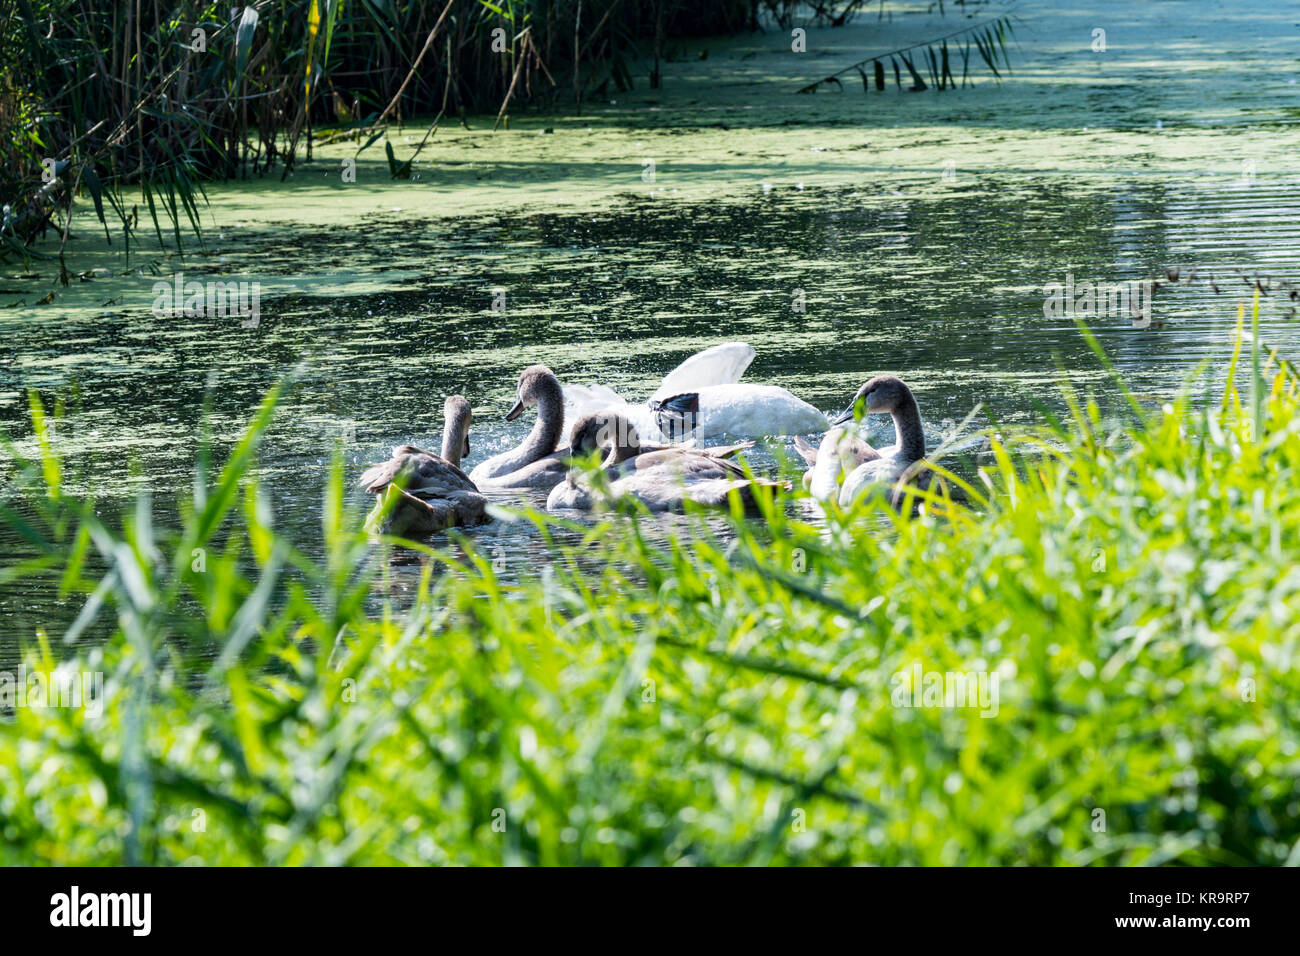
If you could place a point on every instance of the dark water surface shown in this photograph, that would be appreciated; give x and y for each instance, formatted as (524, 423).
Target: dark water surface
(942, 286)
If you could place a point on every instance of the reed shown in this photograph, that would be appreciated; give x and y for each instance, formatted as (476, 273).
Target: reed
(96, 98)
(136, 105)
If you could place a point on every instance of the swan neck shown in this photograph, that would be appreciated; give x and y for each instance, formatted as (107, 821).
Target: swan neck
(453, 435)
(545, 435)
(908, 434)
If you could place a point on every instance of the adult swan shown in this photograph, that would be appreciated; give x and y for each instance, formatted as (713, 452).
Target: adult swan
(702, 398)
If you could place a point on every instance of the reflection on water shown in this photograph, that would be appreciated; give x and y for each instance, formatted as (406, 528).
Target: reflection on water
(831, 285)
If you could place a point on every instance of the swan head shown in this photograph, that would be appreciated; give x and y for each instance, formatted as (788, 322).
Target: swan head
(568, 494)
(457, 413)
(881, 395)
(534, 382)
(603, 431)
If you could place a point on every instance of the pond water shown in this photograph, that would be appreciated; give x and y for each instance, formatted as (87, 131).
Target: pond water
(838, 251)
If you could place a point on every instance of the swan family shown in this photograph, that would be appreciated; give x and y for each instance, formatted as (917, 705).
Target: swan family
(649, 452)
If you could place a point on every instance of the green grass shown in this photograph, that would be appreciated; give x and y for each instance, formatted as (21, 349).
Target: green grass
(705, 700)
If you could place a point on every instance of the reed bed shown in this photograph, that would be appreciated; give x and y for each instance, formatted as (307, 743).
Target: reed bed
(132, 107)
(166, 96)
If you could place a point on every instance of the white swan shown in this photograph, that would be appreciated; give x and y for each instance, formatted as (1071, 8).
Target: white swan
(702, 398)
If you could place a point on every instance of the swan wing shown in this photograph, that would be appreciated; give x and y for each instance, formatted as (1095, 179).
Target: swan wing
(873, 477)
(437, 474)
(673, 466)
(841, 453)
(581, 399)
(806, 450)
(719, 365)
(377, 477)
(400, 450)
(727, 451)
(545, 474)
(419, 472)
(754, 411)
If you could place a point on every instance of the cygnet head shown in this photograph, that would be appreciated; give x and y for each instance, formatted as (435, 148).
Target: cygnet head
(882, 395)
(534, 382)
(602, 430)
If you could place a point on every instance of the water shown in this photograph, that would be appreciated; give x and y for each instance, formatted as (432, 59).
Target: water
(385, 303)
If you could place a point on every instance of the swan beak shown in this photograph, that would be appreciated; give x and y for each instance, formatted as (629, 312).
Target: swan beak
(844, 416)
(515, 412)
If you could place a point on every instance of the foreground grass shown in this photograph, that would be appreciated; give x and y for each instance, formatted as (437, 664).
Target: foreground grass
(695, 701)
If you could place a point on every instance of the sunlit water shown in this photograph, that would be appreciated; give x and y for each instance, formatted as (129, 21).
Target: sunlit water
(841, 235)
(947, 292)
